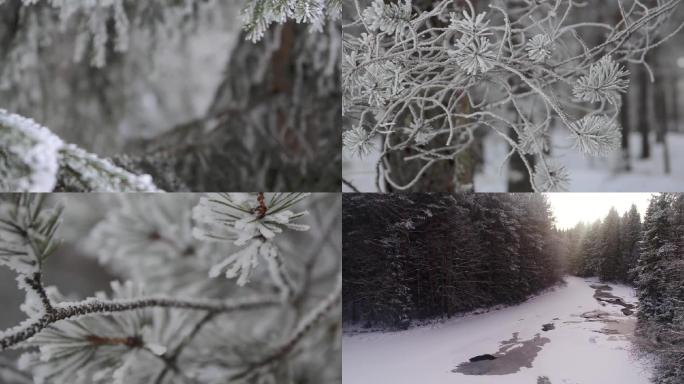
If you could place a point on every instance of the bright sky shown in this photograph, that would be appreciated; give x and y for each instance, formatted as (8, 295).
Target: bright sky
(572, 208)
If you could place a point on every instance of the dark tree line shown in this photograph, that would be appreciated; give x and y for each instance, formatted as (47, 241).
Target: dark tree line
(649, 255)
(422, 256)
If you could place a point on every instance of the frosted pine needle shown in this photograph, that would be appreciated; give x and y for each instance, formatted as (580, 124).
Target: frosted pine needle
(357, 141)
(605, 81)
(473, 55)
(538, 48)
(596, 135)
(470, 25)
(390, 18)
(553, 177)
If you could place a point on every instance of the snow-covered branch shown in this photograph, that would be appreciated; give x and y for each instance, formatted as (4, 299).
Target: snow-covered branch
(425, 80)
(65, 311)
(33, 159)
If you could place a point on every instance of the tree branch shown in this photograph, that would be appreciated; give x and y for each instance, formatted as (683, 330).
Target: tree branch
(36, 284)
(91, 306)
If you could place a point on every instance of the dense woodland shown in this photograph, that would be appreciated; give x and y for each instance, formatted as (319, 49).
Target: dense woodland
(419, 256)
(424, 256)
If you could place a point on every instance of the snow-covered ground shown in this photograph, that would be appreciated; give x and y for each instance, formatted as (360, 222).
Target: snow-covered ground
(590, 174)
(590, 344)
(587, 174)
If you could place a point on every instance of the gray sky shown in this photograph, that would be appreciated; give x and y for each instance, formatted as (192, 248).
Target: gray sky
(572, 208)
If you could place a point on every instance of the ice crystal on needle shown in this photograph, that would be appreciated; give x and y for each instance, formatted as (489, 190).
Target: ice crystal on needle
(250, 221)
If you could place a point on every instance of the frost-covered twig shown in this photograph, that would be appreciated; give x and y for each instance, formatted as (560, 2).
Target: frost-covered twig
(66, 311)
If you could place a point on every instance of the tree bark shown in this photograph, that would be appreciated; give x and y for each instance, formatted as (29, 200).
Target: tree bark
(626, 164)
(274, 123)
(519, 177)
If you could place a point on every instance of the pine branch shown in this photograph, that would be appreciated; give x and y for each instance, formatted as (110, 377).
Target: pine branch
(92, 306)
(33, 159)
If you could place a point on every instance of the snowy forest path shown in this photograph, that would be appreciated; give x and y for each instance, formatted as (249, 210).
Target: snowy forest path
(577, 333)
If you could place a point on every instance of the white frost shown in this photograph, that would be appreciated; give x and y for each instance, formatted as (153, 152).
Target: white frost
(30, 155)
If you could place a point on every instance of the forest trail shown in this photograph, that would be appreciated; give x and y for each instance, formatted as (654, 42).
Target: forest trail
(578, 333)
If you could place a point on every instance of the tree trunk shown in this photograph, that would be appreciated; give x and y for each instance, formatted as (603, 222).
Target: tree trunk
(9, 24)
(626, 165)
(660, 109)
(643, 113)
(447, 176)
(518, 176)
(274, 123)
(674, 102)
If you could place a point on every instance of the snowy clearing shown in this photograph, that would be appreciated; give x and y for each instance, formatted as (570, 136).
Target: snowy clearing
(587, 174)
(587, 341)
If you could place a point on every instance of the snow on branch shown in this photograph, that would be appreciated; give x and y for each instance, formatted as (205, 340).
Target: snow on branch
(258, 15)
(250, 221)
(425, 80)
(33, 159)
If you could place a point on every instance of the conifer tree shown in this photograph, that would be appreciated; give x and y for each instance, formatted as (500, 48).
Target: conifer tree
(630, 234)
(591, 250)
(656, 249)
(609, 264)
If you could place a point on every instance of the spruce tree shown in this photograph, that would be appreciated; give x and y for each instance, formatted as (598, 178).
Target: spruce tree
(656, 249)
(609, 262)
(590, 250)
(629, 239)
